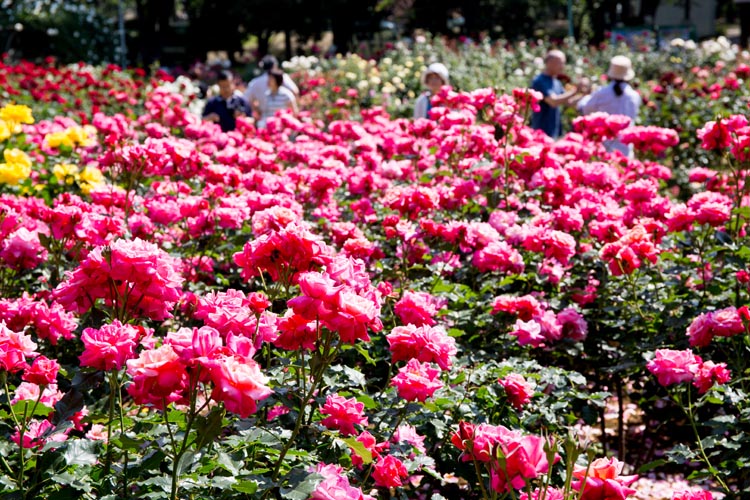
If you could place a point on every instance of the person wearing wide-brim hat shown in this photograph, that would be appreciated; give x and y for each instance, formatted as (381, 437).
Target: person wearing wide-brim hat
(433, 78)
(616, 98)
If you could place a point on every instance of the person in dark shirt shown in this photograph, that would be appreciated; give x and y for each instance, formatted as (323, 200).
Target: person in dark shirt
(227, 106)
(548, 118)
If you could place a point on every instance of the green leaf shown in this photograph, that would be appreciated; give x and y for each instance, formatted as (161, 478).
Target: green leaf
(26, 406)
(368, 401)
(248, 487)
(359, 449)
(304, 489)
(80, 452)
(651, 465)
(210, 428)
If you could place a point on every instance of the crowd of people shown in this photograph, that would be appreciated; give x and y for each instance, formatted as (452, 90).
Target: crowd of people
(274, 90)
(264, 95)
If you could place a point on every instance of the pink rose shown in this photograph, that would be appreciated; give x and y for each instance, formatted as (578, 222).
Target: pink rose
(239, 384)
(519, 391)
(674, 367)
(388, 472)
(416, 381)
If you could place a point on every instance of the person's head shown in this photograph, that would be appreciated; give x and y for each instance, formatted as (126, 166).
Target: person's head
(268, 63)
(435, 77)
(620, 71)
(275, 79)
(226, 84)
(554, 62)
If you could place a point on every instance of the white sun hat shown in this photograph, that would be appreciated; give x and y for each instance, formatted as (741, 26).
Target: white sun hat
(620, 68)
(438, 69)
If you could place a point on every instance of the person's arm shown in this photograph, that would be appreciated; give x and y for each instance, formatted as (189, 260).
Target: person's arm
(592, 105)
(556, 100)
(289, 83)
(293, 104)
(209, 112)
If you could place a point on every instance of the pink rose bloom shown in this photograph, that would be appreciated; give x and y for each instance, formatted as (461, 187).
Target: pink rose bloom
(109, 347)
(388, 472)
(335, 486)
(239, 384)
(424, 343)
(727, 322)
(133, 276)
(417, 381)
(22, 250)
(693, 495)
(14, 349)
(371, 444)
(37, 434)
(98, 432)
(525, 459)
(700, 332)
(498, 256)
(406, 433)
(343, 414)
(525, 307)
(158, 377)
(603, 480)
(710, 208)
(418, 308)
(528, 333)
(43, 371)
(674, 367)
(710, 373)
(478, 442)
(519, 391)
(574, 327)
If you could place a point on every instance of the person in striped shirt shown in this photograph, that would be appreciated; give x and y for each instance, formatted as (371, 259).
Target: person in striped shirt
(276, 98)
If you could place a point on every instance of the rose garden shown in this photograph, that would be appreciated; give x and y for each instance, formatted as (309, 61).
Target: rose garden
(351, 304)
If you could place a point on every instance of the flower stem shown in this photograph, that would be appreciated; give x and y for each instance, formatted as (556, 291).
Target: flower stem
(714, 472)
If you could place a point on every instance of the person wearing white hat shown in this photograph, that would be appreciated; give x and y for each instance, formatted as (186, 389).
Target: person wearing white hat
(433, 78)
(616, 98)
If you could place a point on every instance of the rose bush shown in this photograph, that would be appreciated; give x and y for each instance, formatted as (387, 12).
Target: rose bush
(358, 305)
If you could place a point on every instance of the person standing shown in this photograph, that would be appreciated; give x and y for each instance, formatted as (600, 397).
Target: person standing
(549, 117)
(227, 106)
(257, 87)
(616, 98)
(276, 97)
(434, 77)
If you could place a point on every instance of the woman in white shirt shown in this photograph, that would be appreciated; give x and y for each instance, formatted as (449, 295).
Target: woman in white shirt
(616, 98)
(277, 97)
(435, 77)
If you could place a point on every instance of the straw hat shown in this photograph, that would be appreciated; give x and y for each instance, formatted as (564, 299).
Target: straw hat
(620, 68)
(438, 69)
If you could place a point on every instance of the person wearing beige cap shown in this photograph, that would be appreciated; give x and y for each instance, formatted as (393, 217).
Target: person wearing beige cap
(549, 117)
(616, 98)
(433, 78)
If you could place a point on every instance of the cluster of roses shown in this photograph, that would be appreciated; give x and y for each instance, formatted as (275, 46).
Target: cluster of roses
(674, 367)
(600, 126)
(514, 460)
(18, 354)
(536, 325)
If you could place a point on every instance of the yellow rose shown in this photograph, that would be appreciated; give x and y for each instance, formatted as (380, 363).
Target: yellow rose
(4, 130)
(80, 136)
(90, 178)
(16, 114)
(57, 139)
(13, 173)
(65, 172)
(16, 156)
